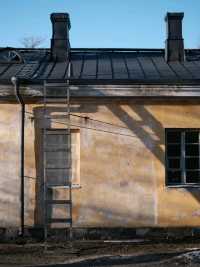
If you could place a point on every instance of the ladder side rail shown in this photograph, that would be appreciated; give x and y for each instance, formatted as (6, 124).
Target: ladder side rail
(70, 146)
(45, 213)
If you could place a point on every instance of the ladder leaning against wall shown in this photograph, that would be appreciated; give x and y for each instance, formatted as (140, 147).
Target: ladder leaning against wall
(48, 187)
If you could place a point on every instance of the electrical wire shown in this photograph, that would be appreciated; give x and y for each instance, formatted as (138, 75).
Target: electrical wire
(95, 120)
(87, 127)
(104, 122)
(94, 129)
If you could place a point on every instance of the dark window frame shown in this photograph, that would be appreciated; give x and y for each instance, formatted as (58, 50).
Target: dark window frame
(182, 168)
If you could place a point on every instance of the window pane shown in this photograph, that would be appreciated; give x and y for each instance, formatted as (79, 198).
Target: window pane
(192, 150)
(192, 163)
(63, 164)
(192, 137)
(57, 159)
(174, 163)
(57, 176)
(173, 137)
(55, 139)
(174, 177)
(174, 150)
(192, 176)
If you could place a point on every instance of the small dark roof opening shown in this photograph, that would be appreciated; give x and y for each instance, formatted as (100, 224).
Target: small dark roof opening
(9, 55)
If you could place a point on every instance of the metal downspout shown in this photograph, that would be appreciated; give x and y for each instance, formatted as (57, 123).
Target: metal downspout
(19, 98)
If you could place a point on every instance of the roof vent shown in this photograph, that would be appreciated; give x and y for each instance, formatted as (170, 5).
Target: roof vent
(174, 47)
(60, 45)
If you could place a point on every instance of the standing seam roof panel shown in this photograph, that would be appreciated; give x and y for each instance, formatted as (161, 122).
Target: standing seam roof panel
(179, 69)
(59, 70)
(77, 63)
(148, 67)
(119, 67)
(47, 71)
(192, 68)
(3, 68)
(12, 71)
(134, 69)
(163, 67)
(89, 67)
(197, 63)
(104, 67)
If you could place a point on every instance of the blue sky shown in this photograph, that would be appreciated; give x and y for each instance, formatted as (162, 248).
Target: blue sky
(99, 23)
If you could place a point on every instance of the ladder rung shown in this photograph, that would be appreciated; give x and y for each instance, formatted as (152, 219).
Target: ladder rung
(58, 185)
(56, 100)
(58, 117)
(57, 150)
(53, 168)
(56, 84)
(60, 220)
(59, 201)
(55, 133)
(62, 116)
(57, 147)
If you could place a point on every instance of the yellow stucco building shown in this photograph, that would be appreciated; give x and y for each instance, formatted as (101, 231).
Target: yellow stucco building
(100, 138)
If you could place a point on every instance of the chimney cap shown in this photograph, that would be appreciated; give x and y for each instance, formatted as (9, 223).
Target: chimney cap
(174, 15)
(61, 17)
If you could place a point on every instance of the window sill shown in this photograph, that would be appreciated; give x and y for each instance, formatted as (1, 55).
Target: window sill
(184, 186)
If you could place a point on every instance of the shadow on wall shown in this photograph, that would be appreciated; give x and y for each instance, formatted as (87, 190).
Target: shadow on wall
(154, 146)
(147, 128)
(146, 120)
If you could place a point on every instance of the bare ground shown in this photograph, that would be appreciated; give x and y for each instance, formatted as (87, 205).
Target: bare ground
(78, 254)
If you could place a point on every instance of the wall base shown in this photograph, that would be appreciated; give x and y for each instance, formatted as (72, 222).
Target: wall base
(150, 234)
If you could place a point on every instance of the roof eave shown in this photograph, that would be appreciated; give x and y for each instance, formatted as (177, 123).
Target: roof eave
(107, 81)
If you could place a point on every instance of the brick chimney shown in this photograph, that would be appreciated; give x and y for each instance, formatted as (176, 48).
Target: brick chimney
(60, 45)
(174, 46)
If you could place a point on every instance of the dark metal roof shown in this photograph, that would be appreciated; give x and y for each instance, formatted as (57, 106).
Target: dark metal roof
(104, 66)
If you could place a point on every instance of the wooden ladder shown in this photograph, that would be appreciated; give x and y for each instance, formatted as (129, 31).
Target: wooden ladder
(67, 184)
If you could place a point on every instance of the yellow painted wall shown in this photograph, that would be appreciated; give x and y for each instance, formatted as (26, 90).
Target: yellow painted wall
(9, 166)
(122, 172)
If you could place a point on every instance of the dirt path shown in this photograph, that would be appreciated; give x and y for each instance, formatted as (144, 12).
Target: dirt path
(101, 254)
(168, 259)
